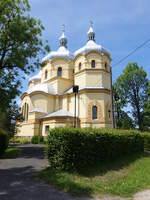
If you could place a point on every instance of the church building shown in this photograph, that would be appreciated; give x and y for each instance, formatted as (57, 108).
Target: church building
(70, 90)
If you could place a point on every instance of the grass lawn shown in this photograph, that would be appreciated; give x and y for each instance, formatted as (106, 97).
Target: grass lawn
(124, 178)
(11, 152)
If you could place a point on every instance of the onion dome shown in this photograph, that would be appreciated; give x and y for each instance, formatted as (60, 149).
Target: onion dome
(62, 51)
(42, 87)
(37, 77)
(91, 44)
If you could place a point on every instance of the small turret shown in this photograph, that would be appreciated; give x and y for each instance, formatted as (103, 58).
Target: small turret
(91, 33)
(63, 39)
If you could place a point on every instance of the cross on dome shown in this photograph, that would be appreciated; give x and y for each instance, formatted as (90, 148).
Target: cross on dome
(63, 38)
(91, 33)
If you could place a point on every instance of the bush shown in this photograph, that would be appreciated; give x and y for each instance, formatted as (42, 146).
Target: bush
(37, 139)
(146, 137)
(3, 141)
(20, 140)
(73, 148)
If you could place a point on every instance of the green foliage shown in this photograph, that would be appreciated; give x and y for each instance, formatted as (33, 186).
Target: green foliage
(12, 152)
(122, 177)
(20, 46)
(3, 141)
(123, 121)
(146, 137)
(146, 112)
(131, 87)
(20, 140)
(75, 149)
(37, 139)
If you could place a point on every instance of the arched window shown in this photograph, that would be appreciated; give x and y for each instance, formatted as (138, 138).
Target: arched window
(80, 66)
(25, 107)
(106, 65)
(46, 74)
(93, 63)
(94, 112)
(27, 112)
(59, 71)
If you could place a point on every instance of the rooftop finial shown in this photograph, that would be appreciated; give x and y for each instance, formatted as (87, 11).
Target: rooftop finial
(91, 33)
(63, 39)
(63, 28)
(91, 24)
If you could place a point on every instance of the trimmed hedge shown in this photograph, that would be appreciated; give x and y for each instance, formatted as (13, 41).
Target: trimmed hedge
(37, 139)
(146, 137)
(74, 148)
(3, 141)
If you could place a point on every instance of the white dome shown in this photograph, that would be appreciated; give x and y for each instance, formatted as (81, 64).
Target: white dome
(36, 77)
(41, 88)
(62, 52)
(91, 46)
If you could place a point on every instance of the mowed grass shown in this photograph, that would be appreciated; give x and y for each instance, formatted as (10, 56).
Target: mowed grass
(11, 152)
(123, 178)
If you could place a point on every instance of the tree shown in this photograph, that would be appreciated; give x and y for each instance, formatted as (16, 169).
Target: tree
(124, 121)
(133, 85)
(146, 112)
(20, 47)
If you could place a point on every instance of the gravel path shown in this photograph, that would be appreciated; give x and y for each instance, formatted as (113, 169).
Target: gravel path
(17, 182)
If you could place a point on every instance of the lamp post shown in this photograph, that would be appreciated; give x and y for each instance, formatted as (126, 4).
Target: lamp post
(75, 91)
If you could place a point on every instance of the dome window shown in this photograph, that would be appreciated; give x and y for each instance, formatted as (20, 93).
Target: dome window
(59, 71)
(80, 66)
(46, 74)
(93, 63)
(94, 112)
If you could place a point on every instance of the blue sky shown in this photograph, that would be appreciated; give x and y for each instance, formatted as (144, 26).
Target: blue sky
(120, 26)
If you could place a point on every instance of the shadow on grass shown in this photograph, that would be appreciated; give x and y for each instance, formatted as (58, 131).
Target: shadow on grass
(67, 180)
(109, 165)
(63, 181)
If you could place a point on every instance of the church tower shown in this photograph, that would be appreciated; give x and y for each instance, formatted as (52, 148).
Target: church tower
(93, 75)
(58, 67)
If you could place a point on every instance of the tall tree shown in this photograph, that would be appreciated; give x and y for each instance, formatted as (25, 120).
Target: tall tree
(146, 112)
(20, 47)
(133, 84)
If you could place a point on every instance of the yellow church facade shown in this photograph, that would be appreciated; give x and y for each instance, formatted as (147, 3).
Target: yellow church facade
(71, 90)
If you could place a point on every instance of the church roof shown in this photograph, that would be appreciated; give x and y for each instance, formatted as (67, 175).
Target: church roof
(62, 52)
(36, 77)
(37, 110)
(91, 46)
(58, 113)
(43, 87)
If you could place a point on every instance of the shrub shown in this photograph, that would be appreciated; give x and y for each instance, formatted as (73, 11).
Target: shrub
(20, 140)
(37, 139)
(74, 148)
(146, 137)
(3, 141)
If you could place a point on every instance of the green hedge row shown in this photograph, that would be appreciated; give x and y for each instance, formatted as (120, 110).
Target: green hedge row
(146, 137)
(3, 141)
(37, 139)
(74, 148)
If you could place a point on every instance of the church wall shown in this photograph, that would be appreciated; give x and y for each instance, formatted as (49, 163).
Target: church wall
(41, 101)
(52, 67)
(103, 102)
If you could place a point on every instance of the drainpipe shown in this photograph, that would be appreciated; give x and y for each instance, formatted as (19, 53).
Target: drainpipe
(112, 98)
